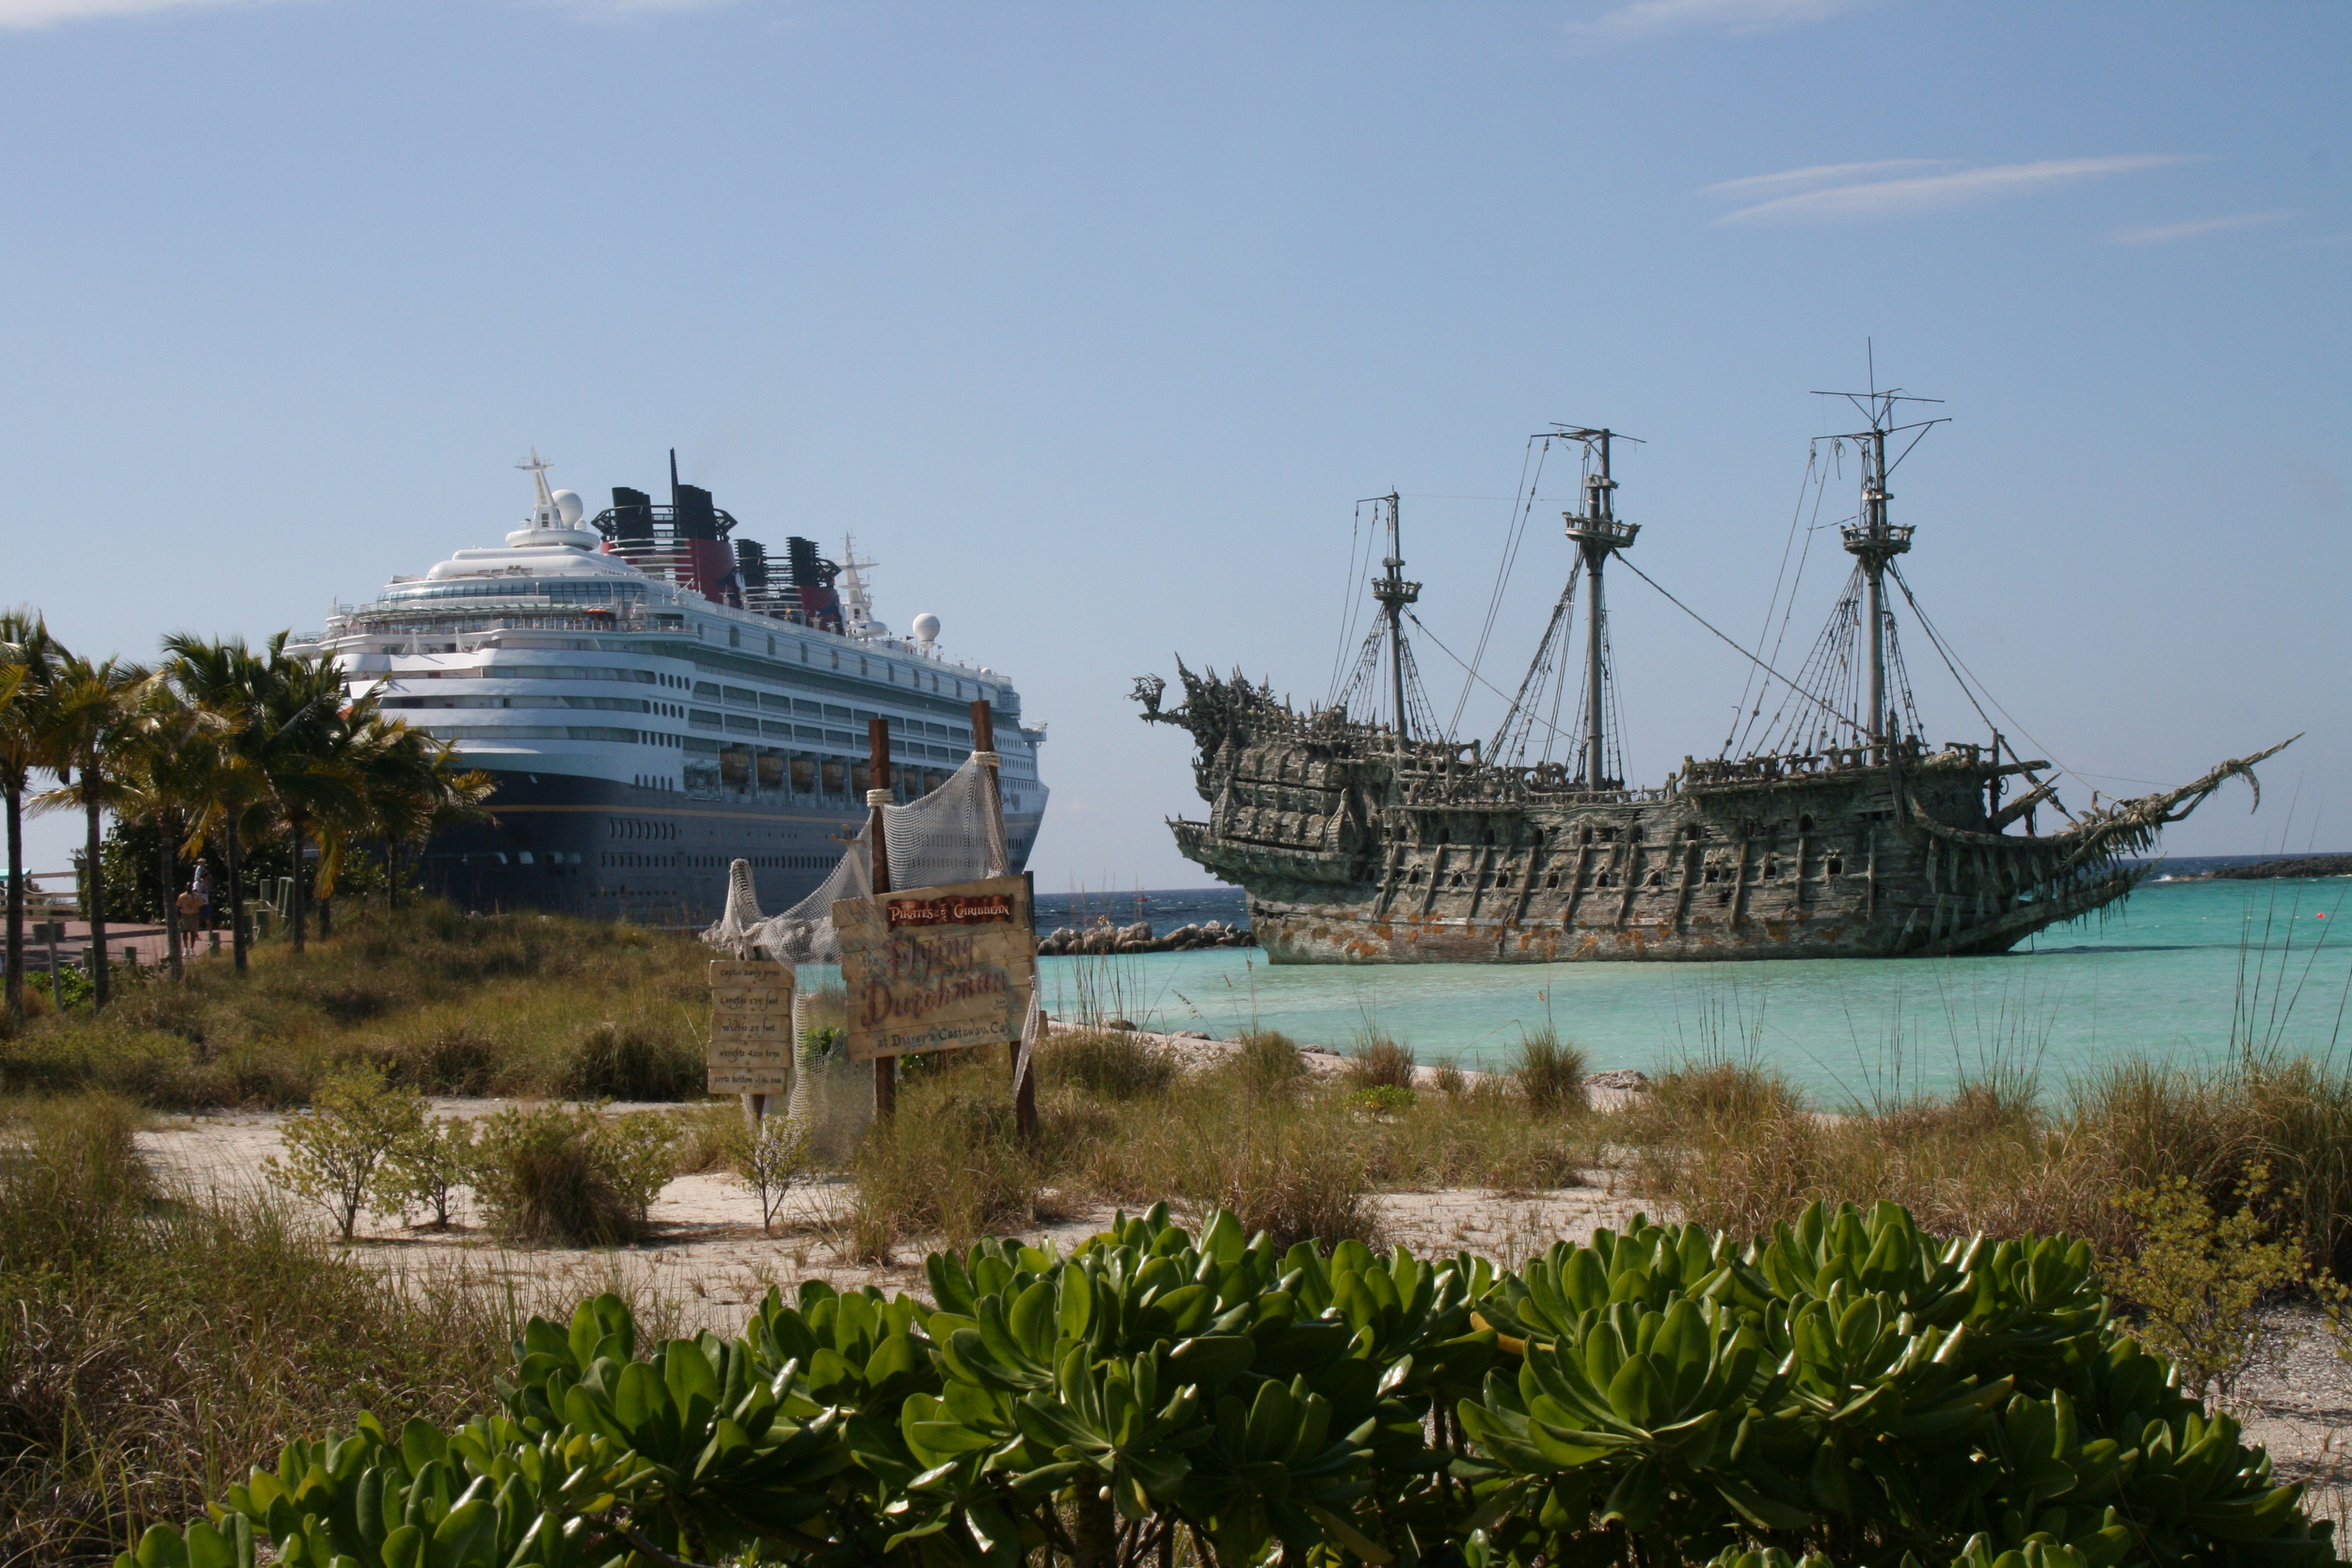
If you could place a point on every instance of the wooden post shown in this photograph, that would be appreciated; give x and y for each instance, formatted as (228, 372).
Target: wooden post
(878, 846)
(984, 740)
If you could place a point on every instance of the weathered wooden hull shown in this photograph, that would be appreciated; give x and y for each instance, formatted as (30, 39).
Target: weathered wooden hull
(1344, 934)
(1355, 848)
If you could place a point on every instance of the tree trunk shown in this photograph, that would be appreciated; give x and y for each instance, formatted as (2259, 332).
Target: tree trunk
(391, 872)
(326, 918)
(236, 893)
(15, 997)
(101, 972)
(293, 893)
(167, 850)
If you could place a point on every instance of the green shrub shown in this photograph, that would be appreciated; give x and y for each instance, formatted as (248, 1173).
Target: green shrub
(2196, 1278)
(581, 1178)
(335, 1149)
(1381, 1096)
(1847, 1392)
(425, 1169)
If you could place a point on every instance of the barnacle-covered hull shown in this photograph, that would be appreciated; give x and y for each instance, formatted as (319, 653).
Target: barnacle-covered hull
(1356, 848)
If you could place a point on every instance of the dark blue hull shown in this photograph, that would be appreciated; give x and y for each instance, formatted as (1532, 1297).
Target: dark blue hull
(614, 851)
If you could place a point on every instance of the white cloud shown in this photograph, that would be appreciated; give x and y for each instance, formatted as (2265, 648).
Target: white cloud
(1885, 198)
(1819, 174)
(1648, 18)
(48, 13)
(2161, 233)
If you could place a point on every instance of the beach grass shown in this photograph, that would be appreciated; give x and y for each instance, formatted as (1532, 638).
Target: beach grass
(447, 1004)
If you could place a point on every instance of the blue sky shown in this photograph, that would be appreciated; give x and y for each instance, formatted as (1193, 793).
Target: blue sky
(1092, 323)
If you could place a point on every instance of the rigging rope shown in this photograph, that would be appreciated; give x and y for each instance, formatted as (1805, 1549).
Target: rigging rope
(1734, 646)
(1471, 674)
(1347, 602)
(1953, 662)
(1522, 508)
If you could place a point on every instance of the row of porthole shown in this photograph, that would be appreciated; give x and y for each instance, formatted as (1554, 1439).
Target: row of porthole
(1834, 867)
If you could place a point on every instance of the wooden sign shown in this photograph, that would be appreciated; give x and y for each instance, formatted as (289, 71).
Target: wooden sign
(936, 968)
(750, 1026)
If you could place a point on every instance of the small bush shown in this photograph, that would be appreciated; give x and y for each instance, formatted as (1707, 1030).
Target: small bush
(2196, 1279)
(335, 1149)
(426, 1169)
(769, 1157)
(579, 1178)
(628, 1061)
(949, 1163)
(1381, 1096)
(1109, 1064)
(454, 1059)
(1267, 1061)
(1381, 1063)
(1447, 1078)
(1550, 1073)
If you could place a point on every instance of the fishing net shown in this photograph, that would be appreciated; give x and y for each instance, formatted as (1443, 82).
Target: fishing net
(956, 833)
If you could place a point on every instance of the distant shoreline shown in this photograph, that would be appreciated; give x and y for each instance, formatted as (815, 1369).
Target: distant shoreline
(2299, 865)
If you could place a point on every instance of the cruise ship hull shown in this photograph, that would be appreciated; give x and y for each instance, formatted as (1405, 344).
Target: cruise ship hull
(601, 850)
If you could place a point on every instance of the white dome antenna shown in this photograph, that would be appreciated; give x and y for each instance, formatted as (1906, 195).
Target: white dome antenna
(568, 507)
(926, 630)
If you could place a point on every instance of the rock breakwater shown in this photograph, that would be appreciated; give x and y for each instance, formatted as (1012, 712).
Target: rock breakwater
(1104, 936)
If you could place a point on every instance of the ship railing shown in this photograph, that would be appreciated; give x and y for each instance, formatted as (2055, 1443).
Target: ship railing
(1909, 750)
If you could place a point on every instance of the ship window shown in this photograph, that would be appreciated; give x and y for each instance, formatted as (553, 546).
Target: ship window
(1772, 870)
(1836, 867)
(1457, 878)
(1552, 880)
(1587, 837)
(1804, 824)
(1657, 880)
(1712, 874)
(1693, 832)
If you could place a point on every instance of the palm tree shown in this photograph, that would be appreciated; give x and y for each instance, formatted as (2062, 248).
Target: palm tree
(163, 778)
(303, 751)
(228, 678)
(414, 788)
(25, 648)
(85, 720)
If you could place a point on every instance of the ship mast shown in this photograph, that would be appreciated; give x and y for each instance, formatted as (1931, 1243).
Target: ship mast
(1598, 535)
(1394, 593)
(1873, 541)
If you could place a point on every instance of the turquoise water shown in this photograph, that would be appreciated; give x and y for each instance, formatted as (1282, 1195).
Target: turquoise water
(2181, 971)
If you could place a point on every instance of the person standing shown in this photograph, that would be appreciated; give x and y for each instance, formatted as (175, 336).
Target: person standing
(191, 905)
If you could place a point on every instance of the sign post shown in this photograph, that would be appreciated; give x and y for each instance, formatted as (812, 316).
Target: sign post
(936, 968)
(877, 856)
(751, 1029)
(999, 864)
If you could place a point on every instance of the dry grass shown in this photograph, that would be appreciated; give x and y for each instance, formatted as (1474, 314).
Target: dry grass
(1551, 1072)
(1381, 1063)
(153, 1344)
(520, 1005)
(1295, 1156)
(1733, 1145)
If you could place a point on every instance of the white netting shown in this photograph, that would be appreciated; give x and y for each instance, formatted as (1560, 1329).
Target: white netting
(953, 835)
(956, 833)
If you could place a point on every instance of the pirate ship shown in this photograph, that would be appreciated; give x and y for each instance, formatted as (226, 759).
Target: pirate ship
(1826, 828)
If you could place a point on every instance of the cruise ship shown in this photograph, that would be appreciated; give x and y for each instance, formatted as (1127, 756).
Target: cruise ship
(658, 696)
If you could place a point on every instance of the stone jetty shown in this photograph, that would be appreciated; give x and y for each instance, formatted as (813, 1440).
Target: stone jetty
(1105, 936)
